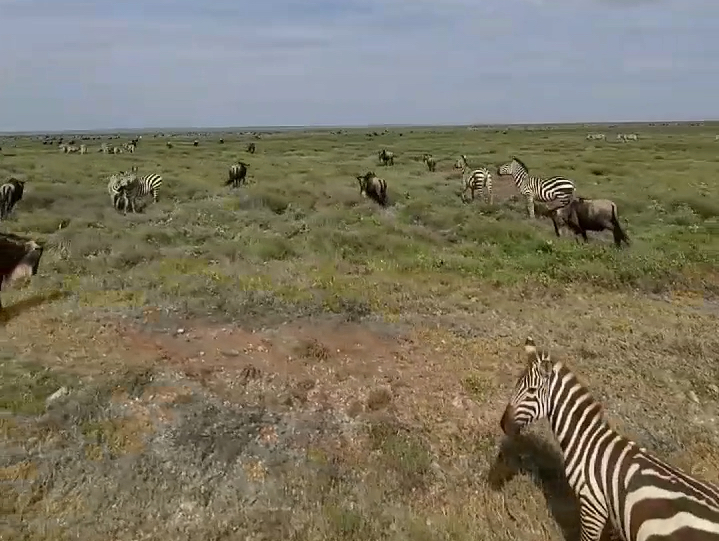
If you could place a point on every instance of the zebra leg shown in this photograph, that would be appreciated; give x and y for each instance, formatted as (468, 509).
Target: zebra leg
(530, 205)
(592, 523)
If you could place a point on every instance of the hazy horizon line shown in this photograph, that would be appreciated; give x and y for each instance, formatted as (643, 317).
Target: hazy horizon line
(309, 127)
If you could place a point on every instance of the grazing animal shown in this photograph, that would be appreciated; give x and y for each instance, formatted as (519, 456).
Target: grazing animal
(222, 141)
(386, 157)
(10, 194)
(430, 162)
(582, 215)
(596, 137)
(627, 137)
(560, 189)
(169, 145)
(478, 180)
(615, 480)
(195, 142)
(19, 258)
(237, 174)
(251, 148)
(373, 187)
(83, 149)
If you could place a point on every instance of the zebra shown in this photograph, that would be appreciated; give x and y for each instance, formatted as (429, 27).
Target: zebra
(251, 148)
(386, 157)
(627, 137)
(119, 194)
(556, 188)
(237, 174)
(596, 137)
(614, 479)
(461, 163)
(130, 147)
(430, 162)
(10, 194)
(479, 179)
(169, 145)
(147, 184)
(83, 149)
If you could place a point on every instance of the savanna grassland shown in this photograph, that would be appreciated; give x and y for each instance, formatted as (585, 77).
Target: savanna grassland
(288, 360)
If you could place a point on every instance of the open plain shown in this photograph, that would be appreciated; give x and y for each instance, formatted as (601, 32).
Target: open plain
(287, 360)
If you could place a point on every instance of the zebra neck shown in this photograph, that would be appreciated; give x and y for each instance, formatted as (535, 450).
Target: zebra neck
(572, 411)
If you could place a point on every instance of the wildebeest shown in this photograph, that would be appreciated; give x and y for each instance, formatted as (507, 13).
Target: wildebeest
(169, 145)
(373, 187)
(251, 148)
(10, 193)
(195, 142)
(430, 162)
(386, 157)
(222, 141)
(19, 258)
(237, 174)
(582, 215)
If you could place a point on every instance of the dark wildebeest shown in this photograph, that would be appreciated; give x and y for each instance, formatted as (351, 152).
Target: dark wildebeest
(222, 141)
(19, 258)
(386, 157)
(10, 193)
(237, 174)
(582, 215)
(373, 187)
(430, 161)
(195, 142)
(251, 148)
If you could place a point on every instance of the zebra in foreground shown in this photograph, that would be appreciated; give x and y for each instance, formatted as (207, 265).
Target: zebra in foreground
(614, 479)
(558, 189)
(596, 137)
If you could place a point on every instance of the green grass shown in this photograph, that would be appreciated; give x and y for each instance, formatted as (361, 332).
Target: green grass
(381, 402)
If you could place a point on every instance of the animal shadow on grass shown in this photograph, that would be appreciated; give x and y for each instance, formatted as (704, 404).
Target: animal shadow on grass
(529, 454)
(7, 313)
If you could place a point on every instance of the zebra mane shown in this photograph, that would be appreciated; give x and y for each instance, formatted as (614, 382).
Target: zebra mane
(520, 162)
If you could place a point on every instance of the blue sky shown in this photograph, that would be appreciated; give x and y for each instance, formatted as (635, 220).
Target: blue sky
(94, 64)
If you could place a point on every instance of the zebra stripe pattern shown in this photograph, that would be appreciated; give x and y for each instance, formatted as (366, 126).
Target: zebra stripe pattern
(148, 184)
(627, 137)
(596, 137)
(559, 189)
(614, 479)
(117, 187)
(478, 180)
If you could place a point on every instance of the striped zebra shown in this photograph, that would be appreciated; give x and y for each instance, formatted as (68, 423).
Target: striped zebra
(559, 189)
(129, 147)
(615, 480)
(117, 187)
(478, 180)
(624, 137)
(83, 149)
(430, 162)
(596, 137)
(461, 163)
(147, 184)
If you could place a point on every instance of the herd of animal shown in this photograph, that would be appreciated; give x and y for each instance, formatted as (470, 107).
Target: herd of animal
(616, 482)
